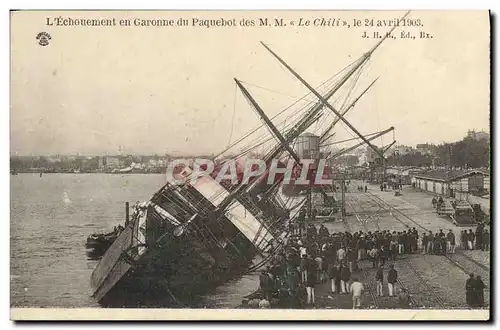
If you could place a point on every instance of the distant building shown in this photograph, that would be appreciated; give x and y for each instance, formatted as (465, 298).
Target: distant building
(101, 162)
(163, 162)
(425, 148)
(451, 183)
(402, 150)
(481, 135)
(371, 155)
(112, 162)
(54, 159)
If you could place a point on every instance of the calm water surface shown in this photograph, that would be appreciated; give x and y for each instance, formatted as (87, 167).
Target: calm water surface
(51, 217)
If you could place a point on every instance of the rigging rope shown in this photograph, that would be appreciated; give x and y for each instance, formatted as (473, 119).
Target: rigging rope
(260, 126)
(234, 112)
(277, 92)
(271, 136)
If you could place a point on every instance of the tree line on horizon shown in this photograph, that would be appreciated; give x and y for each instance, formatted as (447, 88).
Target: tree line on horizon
(468, 153)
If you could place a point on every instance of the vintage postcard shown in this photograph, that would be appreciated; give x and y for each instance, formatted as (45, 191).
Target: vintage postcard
(212, 165)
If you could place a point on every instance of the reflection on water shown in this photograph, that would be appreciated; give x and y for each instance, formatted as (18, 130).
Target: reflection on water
(51, 218)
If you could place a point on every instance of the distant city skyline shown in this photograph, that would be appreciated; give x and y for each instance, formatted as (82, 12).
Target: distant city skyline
(159, 154)
(91, 92)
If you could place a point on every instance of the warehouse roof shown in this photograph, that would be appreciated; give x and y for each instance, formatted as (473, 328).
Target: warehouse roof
(448, 175)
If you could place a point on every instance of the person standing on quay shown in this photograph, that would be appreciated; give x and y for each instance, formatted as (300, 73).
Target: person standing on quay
(379, 278)
(341, 254)
(486, 240)
(334, 274)
(450, 241)
(374, 256)
(469, 291)
(392, 278)
(479, 237)
(404, 300)
(356, 289)
(345, 276)
(425, 240)
(311, 279)
(303, 268)
(430, 243)
(479, 292)
(351, 258)
(470, 239)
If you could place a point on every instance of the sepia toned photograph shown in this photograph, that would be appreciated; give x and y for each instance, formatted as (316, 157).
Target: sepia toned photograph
(175, 165)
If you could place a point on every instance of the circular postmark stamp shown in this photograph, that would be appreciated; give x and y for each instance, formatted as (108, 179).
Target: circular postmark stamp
(43, 38)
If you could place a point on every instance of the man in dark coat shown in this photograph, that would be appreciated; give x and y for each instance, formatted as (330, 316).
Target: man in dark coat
(464, 239)
(411, 242)
(469, 291)
(405, 241)
(266, 285)
(351, 259)
(478, 287)
(479, 236)
(414, 233)
(334, 275)
(303, 268)
(392, 278)
(361, 247)
(425, 240)
(323, 231)
(437, 244)
(345, 276)
(404, 299)
(486, 240)
(312, 279)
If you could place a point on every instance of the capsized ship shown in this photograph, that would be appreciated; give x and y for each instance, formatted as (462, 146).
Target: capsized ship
(191, 236)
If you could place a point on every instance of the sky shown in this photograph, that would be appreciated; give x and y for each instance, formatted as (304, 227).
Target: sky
(146, 90)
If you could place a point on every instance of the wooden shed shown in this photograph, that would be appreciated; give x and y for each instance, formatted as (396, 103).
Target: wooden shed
(451, 183)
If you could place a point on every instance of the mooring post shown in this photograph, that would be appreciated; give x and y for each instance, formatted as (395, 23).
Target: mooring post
(126, 213)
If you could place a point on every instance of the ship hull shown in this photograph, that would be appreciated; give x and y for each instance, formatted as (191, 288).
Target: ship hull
(179, 245)
(173, 273)
(177, 279)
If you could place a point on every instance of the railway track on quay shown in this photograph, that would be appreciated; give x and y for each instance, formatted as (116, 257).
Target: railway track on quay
(370, 288)
(460, 260)
(452, 257)
(429, 297)
(372, 291)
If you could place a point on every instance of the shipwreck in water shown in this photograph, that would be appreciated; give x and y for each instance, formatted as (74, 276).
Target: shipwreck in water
(191, 236)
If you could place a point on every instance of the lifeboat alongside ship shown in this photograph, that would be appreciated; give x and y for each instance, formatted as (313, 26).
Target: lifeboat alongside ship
(98, 244)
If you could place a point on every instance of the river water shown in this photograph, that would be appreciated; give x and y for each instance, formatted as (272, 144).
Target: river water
(51, 217)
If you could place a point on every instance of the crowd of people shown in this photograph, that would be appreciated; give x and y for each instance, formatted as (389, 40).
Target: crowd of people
(479, 240)
(314, 255)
